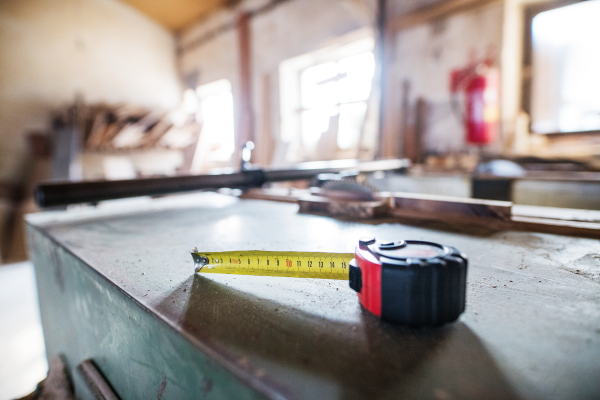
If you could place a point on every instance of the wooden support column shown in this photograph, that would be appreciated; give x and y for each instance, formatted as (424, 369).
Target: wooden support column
(380, 71)
(246, 116)
(265, 143)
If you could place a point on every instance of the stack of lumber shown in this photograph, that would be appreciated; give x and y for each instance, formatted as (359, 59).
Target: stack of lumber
(105, 127)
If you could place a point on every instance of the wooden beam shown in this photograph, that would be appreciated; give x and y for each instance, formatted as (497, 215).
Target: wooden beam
(553, 176)
(444, 206)
(246, 106)
(311, 204)
(441, 9)
(265, 145)
(555, 213)
(556, 226)
(415, 208)
(381, 74)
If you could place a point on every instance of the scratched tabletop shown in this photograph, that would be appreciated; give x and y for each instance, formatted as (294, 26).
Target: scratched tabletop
(116, 285)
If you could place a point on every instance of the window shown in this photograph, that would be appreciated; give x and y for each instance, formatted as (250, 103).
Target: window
(215, 114)
(336, 90)
(324, 98)
(565, 69)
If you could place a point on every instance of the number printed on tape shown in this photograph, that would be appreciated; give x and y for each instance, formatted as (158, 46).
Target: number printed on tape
(273, 263)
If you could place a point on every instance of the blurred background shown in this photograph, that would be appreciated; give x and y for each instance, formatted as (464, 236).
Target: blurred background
(494, 99)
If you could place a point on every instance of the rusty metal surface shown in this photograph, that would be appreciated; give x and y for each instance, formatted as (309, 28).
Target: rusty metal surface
(531, 328)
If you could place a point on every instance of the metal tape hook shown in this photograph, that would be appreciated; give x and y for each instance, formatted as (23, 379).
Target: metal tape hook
(199, 261)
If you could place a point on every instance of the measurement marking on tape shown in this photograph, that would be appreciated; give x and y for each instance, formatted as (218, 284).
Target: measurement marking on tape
(275, 263)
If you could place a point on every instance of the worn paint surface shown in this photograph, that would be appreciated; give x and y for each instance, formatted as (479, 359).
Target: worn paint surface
(85, 317)
(118, 286)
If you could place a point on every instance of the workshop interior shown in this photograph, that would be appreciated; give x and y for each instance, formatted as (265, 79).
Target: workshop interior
(299, 199)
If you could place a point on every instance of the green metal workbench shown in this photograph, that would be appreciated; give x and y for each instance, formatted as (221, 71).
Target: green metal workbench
(116, 285)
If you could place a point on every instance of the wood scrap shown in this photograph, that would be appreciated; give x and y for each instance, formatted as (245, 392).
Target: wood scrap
(156, 132)
(100, 123)
(446, 205)
(556, 226)
(285, 195)
(312, 204)
(109, 128)
(414, 208)
(555, 213)
(134, 133)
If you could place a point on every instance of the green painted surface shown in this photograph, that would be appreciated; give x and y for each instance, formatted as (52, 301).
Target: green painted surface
(118, 286)
(86, 317)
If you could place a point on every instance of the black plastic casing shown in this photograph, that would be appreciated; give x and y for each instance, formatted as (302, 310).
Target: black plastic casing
(417, 292)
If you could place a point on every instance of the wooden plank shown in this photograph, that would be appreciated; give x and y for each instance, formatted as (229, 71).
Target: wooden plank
(246, 104)
(407, 201)
(569, 176)
(99, 126)
(557, 226)
(285, 195)
(433, 204)
(346, 208)
(497, 215)
(555, 213)
(421, 117)
(265, 141)
(156, 132)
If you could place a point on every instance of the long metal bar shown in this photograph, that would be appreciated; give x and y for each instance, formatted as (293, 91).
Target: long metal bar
(53, 194)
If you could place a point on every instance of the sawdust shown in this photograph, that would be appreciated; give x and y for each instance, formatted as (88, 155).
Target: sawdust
(587, 266)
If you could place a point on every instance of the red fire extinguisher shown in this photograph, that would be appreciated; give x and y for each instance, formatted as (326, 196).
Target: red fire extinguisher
(480, 82)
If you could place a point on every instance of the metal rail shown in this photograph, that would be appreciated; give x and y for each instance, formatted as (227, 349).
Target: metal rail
(53, 194)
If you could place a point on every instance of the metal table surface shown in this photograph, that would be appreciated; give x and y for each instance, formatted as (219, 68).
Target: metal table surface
(117, 285)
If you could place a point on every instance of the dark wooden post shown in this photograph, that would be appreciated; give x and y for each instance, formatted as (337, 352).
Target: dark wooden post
(246, 119)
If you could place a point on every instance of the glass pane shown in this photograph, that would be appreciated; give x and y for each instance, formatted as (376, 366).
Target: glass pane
(351, 120)
(566, 61)
(213, 88)
(216, 116)
(317, 87)
(190, 102)
(358, 71)
(314, 123)
(347, 83)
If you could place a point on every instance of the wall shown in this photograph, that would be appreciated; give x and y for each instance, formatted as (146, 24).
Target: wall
(423, 54)
(401, 7)
(422, 58)
(290, 29)
(53, 50)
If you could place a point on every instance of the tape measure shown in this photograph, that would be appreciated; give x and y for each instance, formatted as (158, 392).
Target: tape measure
(412, 282)
(275, 263)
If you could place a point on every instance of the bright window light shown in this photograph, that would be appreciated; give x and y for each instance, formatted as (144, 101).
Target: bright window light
(190, 102)
(318, 87)
(216, 116)
(566, 65)
(351, 119)
(336, 90)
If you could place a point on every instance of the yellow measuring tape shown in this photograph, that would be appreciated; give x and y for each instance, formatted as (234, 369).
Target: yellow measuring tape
(275, 263)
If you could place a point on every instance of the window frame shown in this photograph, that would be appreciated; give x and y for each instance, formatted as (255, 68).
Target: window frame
(530, 12)
(202, 161)
(289, 83)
